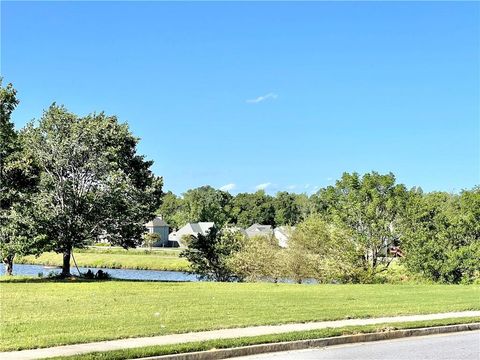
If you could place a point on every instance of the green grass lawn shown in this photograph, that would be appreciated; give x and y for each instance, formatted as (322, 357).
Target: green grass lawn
(115, 258)
(41, 313)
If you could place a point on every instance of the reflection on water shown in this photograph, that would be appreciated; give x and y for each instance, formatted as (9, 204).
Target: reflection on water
(35, 270)
(126, 274)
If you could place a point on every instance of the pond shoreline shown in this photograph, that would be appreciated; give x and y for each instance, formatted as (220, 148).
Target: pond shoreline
(42, 271)
(114, 259)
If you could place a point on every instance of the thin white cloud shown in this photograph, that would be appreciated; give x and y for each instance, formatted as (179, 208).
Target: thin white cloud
(228, 187)
(307, 186)
(262, 186)
(291, 187)
(262, 98)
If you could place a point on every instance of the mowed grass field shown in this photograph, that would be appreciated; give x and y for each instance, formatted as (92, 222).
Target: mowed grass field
(115, 258)
(40, 313)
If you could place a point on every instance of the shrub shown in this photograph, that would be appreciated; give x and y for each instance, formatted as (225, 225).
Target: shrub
(322, 251)
(208, 254)
(259, 259)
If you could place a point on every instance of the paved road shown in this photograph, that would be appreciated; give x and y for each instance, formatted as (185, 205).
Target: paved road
(457, 346)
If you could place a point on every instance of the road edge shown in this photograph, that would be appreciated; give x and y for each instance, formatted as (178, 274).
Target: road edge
(218, 354)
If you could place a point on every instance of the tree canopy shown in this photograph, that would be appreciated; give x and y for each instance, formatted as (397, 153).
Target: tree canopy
(209, 254)
(248, 209)
(370, 207)
(206, 204)
(93, 184)
(441, 236)
(18, 181)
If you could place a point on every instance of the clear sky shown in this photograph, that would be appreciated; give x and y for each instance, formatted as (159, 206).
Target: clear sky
(284, 96)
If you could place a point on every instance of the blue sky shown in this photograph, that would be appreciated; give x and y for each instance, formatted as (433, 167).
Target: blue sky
(284, 96)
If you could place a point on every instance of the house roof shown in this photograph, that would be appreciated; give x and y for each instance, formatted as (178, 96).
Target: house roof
(190, 229)
(283, 234)
(259, 229)
(285, 230)
(201, 227)
(156, 222)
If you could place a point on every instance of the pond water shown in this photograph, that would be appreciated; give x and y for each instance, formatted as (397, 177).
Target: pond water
(152, 275)
(124, 274)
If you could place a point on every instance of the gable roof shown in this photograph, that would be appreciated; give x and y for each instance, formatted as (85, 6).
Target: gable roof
(196, 228)
(156, 222)
(285, 230)
(190, 229)
(259, 229)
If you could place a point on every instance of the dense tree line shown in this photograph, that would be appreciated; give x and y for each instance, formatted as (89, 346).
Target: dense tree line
(208, 204)
(349, 232)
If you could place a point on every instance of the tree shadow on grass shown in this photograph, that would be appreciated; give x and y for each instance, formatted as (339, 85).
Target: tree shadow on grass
(74, 279)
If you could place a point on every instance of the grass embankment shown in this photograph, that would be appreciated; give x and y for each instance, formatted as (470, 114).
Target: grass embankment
(254, 340)
(41, 313)
(116, 258)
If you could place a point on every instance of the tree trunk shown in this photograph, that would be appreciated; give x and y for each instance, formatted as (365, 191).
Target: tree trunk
(66, 262)
(8, 261)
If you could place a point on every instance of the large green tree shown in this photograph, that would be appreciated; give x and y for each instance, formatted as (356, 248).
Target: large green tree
(209, 254)
(248, 209)
(370, 207)
(287, 209)
(442, 235)
(206, 204)
(305, 206)
(93, 184)
(323, 251)
(172, 210)
(18, 180)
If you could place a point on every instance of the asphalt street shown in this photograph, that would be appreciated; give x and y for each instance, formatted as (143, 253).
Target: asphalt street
(456, 346)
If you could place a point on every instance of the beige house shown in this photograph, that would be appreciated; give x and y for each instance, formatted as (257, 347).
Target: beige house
(160, 227)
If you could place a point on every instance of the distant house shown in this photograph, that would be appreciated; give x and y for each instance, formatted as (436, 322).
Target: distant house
(235, 229)
(175, 239)
(160, 227)
(259, 230)
(283, 234)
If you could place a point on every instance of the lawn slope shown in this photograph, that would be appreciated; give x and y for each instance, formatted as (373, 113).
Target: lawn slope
(116, 259)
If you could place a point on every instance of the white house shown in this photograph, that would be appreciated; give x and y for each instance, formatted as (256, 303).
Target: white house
(282, 234)
(190, 229)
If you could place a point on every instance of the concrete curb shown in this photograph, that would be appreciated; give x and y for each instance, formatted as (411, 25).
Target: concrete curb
(313, 343)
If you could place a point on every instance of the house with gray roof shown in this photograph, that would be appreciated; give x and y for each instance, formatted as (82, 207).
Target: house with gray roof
(175, 239)
(259, 230)
(160, 227)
